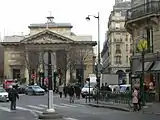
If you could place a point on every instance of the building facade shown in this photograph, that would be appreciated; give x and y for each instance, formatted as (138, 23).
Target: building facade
(27, 55)
(117, 47)
(142, 21)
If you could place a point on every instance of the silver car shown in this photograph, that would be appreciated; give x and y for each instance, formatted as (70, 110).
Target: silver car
(34, 90)
(3, 95)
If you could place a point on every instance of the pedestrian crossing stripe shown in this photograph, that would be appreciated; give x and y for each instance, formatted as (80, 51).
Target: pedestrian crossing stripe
(68, 105)
(5, 109)
(26, 109)
(40, 107)
(70, 119)
(36, 107)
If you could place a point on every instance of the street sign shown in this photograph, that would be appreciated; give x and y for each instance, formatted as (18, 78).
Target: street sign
(33, 76)
(142, 45)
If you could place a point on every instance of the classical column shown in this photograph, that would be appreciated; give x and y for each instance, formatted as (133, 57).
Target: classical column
(127, 78)
(26, 74)
(41, 69)
(54, 61)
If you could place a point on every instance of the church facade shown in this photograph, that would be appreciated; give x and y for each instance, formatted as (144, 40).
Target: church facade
(26, 57)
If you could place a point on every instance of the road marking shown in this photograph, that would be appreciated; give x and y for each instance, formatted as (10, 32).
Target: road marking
(70, 119)
(54, 105)
(41, 105)
(78, 105)
(39, 108)
(68, 105)
(26, 109)
(5, 109)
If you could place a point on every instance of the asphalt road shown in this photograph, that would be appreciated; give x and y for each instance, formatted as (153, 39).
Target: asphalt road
(29, 107)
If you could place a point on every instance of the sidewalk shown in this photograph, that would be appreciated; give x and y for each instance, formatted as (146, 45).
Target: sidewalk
(152, 108)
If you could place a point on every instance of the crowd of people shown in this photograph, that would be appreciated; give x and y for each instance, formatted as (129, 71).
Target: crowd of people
(71, 90)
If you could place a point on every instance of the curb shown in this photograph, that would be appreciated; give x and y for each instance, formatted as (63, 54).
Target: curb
(153, 113)
(110, 107)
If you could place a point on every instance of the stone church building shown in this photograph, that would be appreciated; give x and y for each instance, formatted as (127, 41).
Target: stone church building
(27, 56)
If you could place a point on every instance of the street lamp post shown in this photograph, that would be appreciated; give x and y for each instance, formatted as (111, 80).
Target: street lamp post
(142, 80)
(50, 88)
(142, 46)
(99, 66)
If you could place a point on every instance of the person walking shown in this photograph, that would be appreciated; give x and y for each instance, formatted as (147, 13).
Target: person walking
(13, 95)
(135, 99)
(71, 93)
(65, 91)
(60, 90)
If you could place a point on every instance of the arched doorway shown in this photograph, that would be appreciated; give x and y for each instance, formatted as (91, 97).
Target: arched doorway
(121, 76)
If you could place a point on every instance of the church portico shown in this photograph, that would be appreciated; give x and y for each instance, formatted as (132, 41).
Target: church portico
(33, 56)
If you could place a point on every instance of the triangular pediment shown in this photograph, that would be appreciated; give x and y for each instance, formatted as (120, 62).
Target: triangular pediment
(46, 37)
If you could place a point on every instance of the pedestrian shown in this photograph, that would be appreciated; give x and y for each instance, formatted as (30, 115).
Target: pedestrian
(139, 100)
(135, 99)
(60, 90)
(65, 91)
(78, 92)
(71, 92)
(13, 95)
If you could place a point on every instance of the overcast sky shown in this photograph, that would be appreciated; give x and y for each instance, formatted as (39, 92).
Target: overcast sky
(16, 15)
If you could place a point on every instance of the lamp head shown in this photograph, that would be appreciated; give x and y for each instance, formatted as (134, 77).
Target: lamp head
(88, 18)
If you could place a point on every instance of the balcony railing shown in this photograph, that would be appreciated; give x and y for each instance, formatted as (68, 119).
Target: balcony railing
(149, 8)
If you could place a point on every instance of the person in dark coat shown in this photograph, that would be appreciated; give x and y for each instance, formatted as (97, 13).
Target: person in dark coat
(78, 92)
(71, 92)
(13, 95)
(65, 91)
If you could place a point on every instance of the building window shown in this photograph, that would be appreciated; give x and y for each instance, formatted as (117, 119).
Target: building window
(126, 59)
(118, 49)
(118, 60)
(126, 38)
(126, 47)
(118, 46)
(131, 48)
(118, 33)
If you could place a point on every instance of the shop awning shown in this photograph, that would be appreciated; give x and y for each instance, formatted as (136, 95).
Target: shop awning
(156, 66)
(147, 66)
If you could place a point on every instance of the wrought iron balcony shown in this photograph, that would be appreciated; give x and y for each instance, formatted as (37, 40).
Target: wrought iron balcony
(147, 9)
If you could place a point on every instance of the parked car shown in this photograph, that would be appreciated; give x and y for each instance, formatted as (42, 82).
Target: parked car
(34, 90)
(85, 90)
(3, 95)
(125, 88)
(115, 88)
(22, 88)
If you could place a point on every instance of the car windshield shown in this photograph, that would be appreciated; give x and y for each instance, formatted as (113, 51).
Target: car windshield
(123, 88)
(2, 90)
(87, 86)
(36, 87)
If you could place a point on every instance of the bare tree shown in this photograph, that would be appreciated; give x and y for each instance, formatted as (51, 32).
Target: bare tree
(74, 58)
(31, 61)
(83, 52)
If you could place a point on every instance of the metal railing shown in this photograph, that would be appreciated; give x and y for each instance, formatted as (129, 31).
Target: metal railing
(152, 7)
(107, 97)
(115, 97)
(112, 97)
